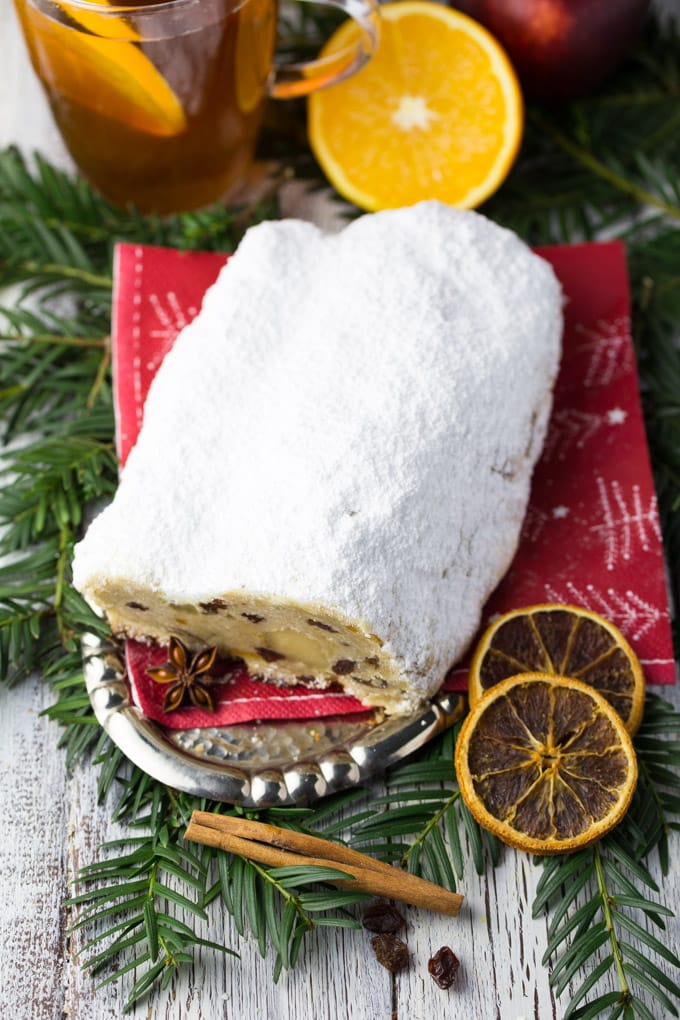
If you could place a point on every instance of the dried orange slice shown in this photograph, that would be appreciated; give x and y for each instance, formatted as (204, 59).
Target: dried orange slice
(435, 114)
(545, 763)
(567, 640)
(110, 75)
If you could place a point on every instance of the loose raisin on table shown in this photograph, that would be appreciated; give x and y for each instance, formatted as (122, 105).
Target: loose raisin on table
(382, 918)
(390, 951)
(443, 966)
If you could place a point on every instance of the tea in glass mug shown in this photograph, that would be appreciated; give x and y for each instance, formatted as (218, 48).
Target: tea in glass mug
(160, 103)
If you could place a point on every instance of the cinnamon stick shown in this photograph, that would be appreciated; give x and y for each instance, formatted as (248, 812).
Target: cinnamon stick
(276, 847)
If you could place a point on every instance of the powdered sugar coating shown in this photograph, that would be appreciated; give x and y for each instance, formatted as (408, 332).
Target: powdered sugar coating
(351, 423)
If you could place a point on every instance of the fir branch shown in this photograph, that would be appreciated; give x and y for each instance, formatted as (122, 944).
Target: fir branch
(605, 881)
(279, 907)
(434, 817)
(658, 795)
(135, 885)
(130, 898)
(607, 903)
(613, 176)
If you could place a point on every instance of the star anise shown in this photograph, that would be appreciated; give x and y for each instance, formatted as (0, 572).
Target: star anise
(187, 677)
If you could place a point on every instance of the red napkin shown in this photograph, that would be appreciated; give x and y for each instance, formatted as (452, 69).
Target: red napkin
(591, 536)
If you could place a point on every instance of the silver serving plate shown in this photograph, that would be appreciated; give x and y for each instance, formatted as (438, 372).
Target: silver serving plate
(259, 764)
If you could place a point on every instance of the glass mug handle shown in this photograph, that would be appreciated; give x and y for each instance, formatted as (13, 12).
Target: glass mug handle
(290, 80)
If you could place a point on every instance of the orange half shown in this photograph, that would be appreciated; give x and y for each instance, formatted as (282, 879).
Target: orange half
(435, 114)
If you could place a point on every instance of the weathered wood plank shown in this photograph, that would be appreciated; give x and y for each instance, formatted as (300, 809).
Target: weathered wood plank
(33, 857)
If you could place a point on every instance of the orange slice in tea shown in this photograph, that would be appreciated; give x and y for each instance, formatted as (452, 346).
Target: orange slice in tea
(108, 26)
(112, 76)
(435, 114)
(545, 763)
(566, 640)
(254, 48)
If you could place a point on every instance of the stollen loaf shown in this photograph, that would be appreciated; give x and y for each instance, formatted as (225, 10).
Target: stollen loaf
(336, 454)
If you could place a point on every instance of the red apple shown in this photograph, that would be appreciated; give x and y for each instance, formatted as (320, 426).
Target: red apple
(561, 48)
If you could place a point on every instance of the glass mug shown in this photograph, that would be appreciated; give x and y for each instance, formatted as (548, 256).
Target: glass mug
(160, 103)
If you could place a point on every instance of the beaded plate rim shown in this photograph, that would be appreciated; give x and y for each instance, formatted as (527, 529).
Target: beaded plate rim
(362, 757)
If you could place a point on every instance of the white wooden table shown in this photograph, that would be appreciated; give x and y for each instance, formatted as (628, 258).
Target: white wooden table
(52, 826)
